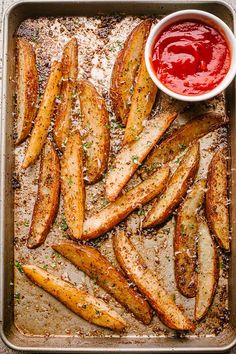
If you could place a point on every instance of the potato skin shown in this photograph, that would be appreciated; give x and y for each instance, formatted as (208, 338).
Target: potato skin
(115, 212)
(176, 189)
(132, 155)
(125, 70)
(72, 184)
(80, 302)
(27, 88)
(43, 119)
(134, 266)
(142, 102)
(46, 206)
(216, 199)
(98, 267)
(95, 116)
(208, 271)
(68, 89)
(182, 138)
(185, 244)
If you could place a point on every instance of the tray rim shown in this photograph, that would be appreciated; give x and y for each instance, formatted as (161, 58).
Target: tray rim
(3, 107)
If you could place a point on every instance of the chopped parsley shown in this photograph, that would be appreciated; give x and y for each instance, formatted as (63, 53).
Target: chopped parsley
(183, 231)
(177, 160)
(18, 266)
(182, 146)
(64, 225)
(141, 211)
(17, 297)
(26, 223)
(135, 160)
(87, 145)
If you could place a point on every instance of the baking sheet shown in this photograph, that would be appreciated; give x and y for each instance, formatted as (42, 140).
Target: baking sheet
(37, 313)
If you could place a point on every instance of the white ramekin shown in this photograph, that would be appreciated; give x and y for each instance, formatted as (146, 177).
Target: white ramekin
(208, 19)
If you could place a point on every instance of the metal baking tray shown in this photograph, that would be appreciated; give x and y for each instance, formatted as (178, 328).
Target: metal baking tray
(100, 341)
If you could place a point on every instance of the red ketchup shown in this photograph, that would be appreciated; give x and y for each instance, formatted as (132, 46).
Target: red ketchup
(190, 57)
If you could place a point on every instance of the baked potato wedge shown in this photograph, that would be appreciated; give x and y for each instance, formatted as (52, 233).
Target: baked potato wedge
(46, 205)
(176, 188)
(98, 267)
(27, 88)
(185, 245)
(136, 269)
(216, 199)
(72, 184)
(43, 118)
(195, 129)
(95, 121)
(142, 102)
(125, 70)
(80, 302)
(132, 155)
(68, 87)
(115, 212)
(207, 271)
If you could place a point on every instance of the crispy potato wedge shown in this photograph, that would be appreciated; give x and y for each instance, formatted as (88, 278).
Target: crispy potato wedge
(207, 271)
(216, 199)
(142, 102)
(131, 155)
(72, 184)
(79, 301)
(195, 129)
(43, 119)
(95, 121)
(98, 267)
(125, 70)
(176, 188)
(117, 211)
(68, 86)
(27, 88)
(185, 245)
(136, 269)
(46, 206)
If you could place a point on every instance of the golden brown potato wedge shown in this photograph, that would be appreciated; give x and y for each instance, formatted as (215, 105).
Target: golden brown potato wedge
(46, 205)
(43, 119)
(185, 244)
(95, 121)
(79, 301)
(68, 87)
(131, 155)
(136, 269)
(27, 88)
(117, 211)
(125, 70)
(98, 267)
(195, 129)
(207, 271)
(72, 184)
(176, 188)
(216, 199)
(142, 102)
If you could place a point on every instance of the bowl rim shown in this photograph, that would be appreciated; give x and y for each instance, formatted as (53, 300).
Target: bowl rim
(221, 25)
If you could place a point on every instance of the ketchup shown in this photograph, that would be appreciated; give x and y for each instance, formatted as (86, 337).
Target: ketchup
(190, 57)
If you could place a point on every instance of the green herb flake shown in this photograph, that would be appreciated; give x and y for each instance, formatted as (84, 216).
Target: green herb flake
(141, 212)
(177, 160)
(70, 181)
(168, 258)
(45, 267)
(115, 125)
(97, 312)
(17, 297)
(64, 225)
(87, 145)
(221, 264)
(104, 201)
(166, 231)
(182, 146)
(53, 265)
(19, 267)
(182, 230)
(26, 223)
